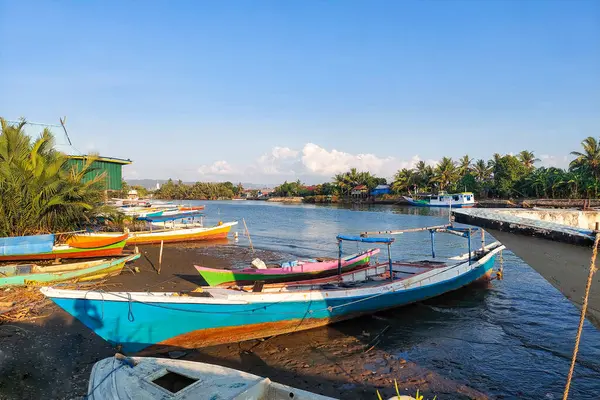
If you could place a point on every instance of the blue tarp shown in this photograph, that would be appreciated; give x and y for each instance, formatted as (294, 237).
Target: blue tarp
(19, 245)
(365, 239)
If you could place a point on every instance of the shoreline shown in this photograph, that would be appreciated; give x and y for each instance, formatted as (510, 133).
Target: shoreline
(338, 360)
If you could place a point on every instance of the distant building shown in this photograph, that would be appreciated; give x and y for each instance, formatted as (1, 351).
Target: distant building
(380, 190)
(360, 191)
(112, 167)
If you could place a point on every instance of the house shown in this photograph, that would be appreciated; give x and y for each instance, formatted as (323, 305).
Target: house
(360, 191)
(380, 190)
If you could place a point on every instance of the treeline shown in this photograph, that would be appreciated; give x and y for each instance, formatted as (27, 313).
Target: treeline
(198, 191)
(508, 176)
(503, 176)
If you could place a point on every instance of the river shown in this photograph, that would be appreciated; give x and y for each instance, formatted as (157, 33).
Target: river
(511, 339)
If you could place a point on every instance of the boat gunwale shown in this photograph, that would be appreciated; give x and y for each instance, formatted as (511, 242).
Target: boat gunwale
(231, 297)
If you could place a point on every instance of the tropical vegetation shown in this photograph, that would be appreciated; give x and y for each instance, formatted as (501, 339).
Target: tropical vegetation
(197, 191)
(502, 176)
(40, 191)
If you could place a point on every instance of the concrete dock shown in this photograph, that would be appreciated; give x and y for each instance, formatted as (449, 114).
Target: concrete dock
(556, 243)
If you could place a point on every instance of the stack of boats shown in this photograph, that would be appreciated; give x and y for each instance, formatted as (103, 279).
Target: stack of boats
(105, 248)
(264, 300)
(248, 303)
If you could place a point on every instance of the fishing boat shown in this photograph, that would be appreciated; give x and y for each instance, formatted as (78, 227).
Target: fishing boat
(291, 271)
(63, 251)
(32, 274)
(190, 234)
(161, 378)
(169, 216)
(21, 245)
(455, 200)
(158, 322)
(97, 239)
(191, 208)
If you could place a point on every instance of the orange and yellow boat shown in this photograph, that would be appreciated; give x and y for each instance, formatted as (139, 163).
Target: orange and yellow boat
(91, 240)
(181, 234)
(191, 208)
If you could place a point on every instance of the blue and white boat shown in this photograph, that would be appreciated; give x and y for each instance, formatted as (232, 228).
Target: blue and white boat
(443, 199)
(158, 322)
(19, 245)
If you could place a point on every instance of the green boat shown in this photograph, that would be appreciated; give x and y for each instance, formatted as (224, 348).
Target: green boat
(32, 274)
(294, 271)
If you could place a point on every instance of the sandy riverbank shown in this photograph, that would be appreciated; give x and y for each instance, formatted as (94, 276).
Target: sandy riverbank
(52, 357)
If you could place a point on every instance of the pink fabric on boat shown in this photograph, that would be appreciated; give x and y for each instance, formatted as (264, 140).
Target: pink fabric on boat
(302, 266)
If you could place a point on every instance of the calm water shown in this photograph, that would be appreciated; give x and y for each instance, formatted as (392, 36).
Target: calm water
(511, 339)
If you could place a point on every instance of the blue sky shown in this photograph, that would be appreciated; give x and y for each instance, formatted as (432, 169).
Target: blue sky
(261, 91)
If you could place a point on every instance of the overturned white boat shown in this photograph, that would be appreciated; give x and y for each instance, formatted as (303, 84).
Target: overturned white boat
(140, 378)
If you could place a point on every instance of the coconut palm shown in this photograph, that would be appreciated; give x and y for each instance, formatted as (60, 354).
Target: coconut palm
(464, 165)
(446, 173)
(39, 192)
(481, 171)
(588, 161)
(527, 158)
(404, 179)
(495, 159)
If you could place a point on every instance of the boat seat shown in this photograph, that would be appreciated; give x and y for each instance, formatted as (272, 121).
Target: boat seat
(258, 286)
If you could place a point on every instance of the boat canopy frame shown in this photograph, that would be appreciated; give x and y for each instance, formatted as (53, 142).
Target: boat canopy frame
(446, 228)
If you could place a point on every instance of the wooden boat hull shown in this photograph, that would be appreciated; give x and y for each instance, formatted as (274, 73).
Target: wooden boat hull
(78, 272)
(132, 375)
(18, 245)
(65, 251)
(220, 277)
(92, 240)
(180, 235)
(157, 322)
(193, 208)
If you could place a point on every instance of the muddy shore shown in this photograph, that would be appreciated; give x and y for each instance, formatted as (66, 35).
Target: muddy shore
(52, 357)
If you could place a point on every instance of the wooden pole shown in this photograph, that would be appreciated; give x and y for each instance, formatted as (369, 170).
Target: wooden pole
(482, 240)
(162, 242)
(248, 233)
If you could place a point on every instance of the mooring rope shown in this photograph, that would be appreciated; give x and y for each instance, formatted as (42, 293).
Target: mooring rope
(588, 285)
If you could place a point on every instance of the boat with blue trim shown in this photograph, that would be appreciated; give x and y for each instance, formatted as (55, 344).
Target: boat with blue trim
(443, 199)
(158, 322)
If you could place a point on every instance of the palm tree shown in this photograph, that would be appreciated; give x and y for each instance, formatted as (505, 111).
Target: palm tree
(404, 179)
(464, 165)
(482, 171)
(527, 158)
(589, 159)
(446, 173)
(495, 159)
(39, 192)
(343, 183)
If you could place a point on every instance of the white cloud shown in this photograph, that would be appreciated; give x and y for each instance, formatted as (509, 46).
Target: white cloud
(312, 164)
(320, 161)
(547, 160)
(280, 161)
(217, 168)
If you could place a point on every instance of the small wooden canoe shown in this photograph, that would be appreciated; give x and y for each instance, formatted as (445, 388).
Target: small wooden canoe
(181, 235)
(32, 274)
(64, 251)
(191, 208)
(297, 270)
(91, 240)
(163, 378)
